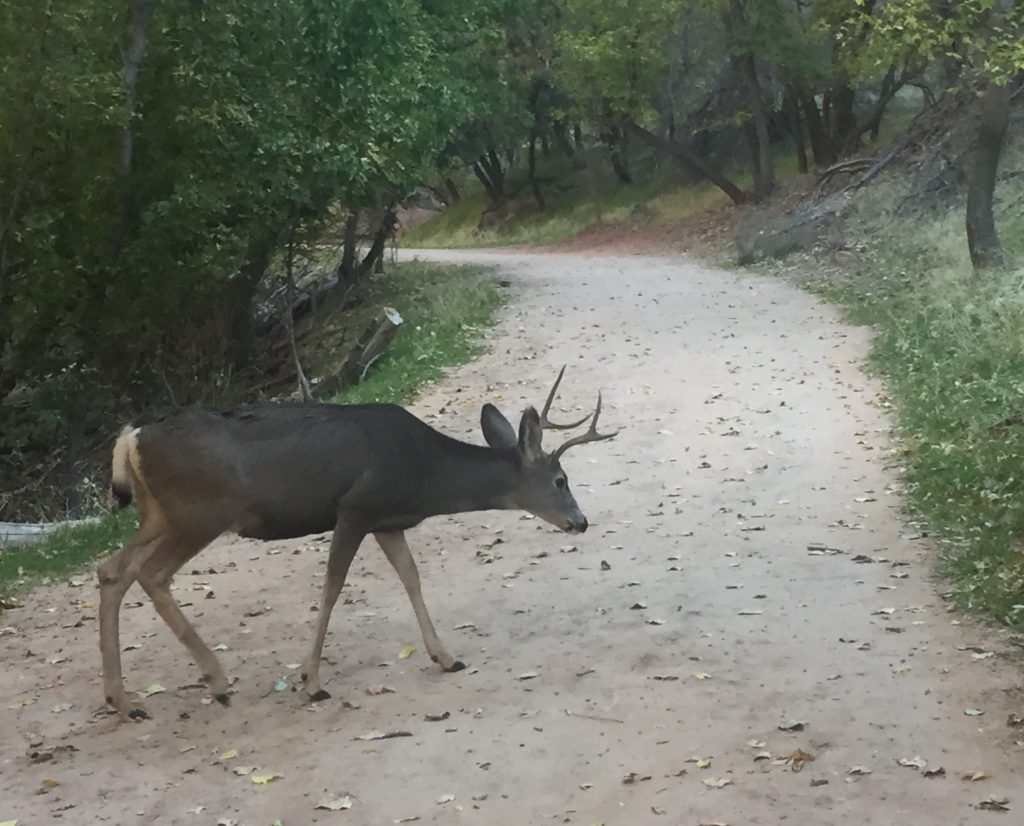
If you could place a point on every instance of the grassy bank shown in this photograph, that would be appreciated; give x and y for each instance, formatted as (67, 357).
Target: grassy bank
(445, 309)
(951, 346)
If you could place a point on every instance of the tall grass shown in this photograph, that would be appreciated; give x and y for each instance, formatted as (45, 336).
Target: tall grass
(951, 346)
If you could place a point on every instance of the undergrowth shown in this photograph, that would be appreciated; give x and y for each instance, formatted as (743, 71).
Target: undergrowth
(444, 308)
(951, 346)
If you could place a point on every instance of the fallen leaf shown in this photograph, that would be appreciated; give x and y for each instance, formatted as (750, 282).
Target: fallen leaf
(527, 675)
(703, 675)
(973, 712)
(913, 763)
(633, 777)
(334, 804)
(859, 771)
(406, 819)
(230, 754)
(196, 810)
(1015, 720)
(700, 762)
(756, 744)
(750, 612)
(446, 798)
(281, 685)
(227, 821)
(992, 804)
(797, 758)
(383, 735)
(936, 772)
(244, 771)
(377, 690)
(437, 718)
(793, 725)
(220, 647)
(49, 783)
(717, 783)
(637, 606)
(406, 652)
(27, 702)
(150, 690)
(263, 779)
(8, 823)
(974, 777)
(60, 708)
(655, 622)
(762, 755)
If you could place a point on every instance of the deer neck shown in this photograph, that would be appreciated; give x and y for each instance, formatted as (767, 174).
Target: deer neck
(466, 477)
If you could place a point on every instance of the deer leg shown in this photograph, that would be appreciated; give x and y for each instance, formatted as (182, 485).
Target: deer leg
(155, 578)
(116, 575)
(344, 545)
(396, 549)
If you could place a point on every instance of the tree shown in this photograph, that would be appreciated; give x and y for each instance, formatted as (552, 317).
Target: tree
(984, 39)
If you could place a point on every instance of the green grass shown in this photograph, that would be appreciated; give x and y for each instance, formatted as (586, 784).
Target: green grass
(951, 347)
(445, 309)
(584, 199)
(62, 553)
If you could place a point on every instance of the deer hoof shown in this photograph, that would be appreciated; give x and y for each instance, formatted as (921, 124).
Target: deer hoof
(223, 699)
(320, 696)
(458, 665)
(138, 714)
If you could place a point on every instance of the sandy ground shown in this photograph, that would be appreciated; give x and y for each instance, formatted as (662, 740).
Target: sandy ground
(753, 473)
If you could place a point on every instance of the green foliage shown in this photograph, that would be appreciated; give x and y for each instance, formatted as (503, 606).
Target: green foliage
(246, 118)
(613, 53)
(991, 31)
(445, 310)
(63, 552)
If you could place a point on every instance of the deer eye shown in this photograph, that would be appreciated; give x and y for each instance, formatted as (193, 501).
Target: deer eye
(560, 482)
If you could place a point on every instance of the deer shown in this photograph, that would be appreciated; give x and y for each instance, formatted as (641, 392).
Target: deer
(275, 471)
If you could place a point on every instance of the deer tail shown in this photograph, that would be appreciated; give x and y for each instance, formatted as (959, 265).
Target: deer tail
(122, 487)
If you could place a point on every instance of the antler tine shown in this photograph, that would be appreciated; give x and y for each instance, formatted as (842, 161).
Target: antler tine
(545, 422)
(590, 436)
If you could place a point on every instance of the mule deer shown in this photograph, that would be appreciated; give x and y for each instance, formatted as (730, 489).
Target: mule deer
(278, 471)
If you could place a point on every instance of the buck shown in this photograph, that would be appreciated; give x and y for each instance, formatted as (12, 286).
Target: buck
(278, 471)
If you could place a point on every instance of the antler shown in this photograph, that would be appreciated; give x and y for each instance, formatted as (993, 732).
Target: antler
(590, 436)
(546, 423)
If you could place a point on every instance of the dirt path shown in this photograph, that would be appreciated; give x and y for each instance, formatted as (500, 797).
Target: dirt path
(753, 473)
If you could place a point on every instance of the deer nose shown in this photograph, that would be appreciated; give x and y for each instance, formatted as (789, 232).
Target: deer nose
(578, 525)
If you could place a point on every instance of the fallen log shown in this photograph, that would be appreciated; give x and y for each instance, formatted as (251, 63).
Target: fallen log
(357, 363)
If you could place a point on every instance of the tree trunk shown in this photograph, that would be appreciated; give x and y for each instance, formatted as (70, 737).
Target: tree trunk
(350, 238)
(821, 147)
(305, 391)
(886, 93)
(531, 171)
(796, 129)
(983, 162)
(618, 151)
(685, 155)
(488, 171)
(764, 170)
(453, 190)
(385, 229)
(843, 120)
(140, 14)
(240, 296)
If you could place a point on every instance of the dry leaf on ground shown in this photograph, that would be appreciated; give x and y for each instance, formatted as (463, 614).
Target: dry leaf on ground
(334, 803)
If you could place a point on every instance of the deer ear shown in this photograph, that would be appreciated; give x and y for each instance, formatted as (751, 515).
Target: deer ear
(497, 430)
(530, 433)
